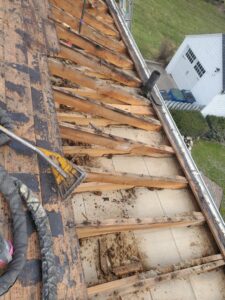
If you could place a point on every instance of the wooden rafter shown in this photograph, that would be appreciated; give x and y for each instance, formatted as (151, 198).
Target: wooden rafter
(88, 18)
(77, 134)
(61, 16)
(135, 109)
(171, 182)
(127, 269)
(98, 6)
(98, 152)
(71, 73)
(95, 95)
(90, 229)
(83, 121)
(151, 279)
(93, 48)
(108, 112)
(100, 187)
(108, 70)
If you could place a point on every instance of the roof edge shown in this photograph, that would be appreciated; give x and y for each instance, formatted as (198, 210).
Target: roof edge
(197, 184)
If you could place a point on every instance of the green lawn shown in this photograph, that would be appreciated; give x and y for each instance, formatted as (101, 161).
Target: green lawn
(210, 158)
(155, 20)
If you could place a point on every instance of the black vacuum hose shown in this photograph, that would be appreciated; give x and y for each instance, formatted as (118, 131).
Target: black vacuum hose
(49, 274)
(10, 191)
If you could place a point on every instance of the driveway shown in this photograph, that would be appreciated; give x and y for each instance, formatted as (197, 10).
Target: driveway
(166, 81)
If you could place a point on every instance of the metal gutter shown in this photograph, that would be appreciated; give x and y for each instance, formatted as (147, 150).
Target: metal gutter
(197, 184)
(223, 60)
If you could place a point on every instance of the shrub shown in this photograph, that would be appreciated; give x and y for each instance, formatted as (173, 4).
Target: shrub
(166, 51)
(190, 123)
(217, 128)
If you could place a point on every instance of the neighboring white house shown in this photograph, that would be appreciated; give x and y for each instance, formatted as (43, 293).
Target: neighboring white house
(199, 66)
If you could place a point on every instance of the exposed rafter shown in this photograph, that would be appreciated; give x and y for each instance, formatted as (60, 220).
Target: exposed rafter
(59, 15)
(170, 182)
(100, 187)
(83, 121)
(108, 112)
(93, 48)
(100, 151)
(77, 134)
(152, 278)
(102, 67)
(95, 95)
(88, 18)
(90, 229)
(73, 74)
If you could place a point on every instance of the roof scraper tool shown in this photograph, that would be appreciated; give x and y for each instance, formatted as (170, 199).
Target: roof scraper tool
(67, 175)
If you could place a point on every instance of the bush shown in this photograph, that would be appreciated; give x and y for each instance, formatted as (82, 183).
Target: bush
(190, 123)
(166, 52)
(217, 128)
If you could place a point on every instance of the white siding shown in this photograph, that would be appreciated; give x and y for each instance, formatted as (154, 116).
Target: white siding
(176, 57)
(216, 107)
(208, 50)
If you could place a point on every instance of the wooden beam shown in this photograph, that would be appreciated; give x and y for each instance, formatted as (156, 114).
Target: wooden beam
(93, 48)
(97, 9)
(77, 134)
(90, 229)
(151, 279)
(172, 182)
(83, 121)
(108, 112)
(91, 94)
(108, 70)
(127, 269)
(104, 262)
(88, 18)
(59, 15)
(135, 109)
(95, 6)
(100, 187)
(104, 17)
(71, 73)
(99, 152)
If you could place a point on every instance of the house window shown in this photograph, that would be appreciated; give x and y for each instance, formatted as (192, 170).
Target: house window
(199, 69)
(190, 55)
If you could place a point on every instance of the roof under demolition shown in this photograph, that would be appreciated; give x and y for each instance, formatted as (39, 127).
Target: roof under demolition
(142, 225)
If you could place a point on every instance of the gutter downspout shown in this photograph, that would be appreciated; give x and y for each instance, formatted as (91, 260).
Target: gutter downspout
(196, 182)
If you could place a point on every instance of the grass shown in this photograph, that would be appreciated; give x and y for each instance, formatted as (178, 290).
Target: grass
(155, 21)
(210, 158)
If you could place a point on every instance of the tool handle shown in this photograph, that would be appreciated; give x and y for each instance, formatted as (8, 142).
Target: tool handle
(34, 148)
